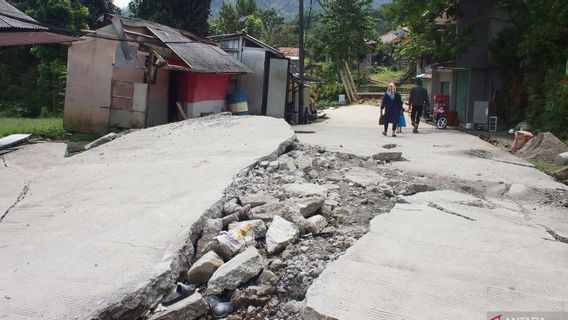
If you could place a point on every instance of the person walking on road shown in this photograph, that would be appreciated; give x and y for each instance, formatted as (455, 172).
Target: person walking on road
(418, 99)
(391, 108)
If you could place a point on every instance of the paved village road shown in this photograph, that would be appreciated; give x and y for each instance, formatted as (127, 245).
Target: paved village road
(100, 228)
(445, 254)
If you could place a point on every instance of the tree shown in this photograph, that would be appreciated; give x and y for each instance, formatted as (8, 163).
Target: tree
(243, 16)
(97, 8)
(276, 31)
(532, 54)
(346, 26)
(34, 77)
(190, 15)
(432, 28)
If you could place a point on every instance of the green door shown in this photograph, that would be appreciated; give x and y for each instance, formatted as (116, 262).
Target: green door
(462, 90)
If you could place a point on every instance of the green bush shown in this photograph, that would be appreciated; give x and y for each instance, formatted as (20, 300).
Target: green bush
(549, 111)
(322, 104)
(329, 91)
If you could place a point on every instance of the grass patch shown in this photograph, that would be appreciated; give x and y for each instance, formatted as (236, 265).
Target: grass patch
(386, 76)
(547, 167)
(47, 128)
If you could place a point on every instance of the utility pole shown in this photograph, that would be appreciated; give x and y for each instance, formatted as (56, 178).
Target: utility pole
(302, 115)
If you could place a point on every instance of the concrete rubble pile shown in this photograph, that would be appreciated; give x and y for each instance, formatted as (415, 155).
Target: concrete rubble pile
(278, 227)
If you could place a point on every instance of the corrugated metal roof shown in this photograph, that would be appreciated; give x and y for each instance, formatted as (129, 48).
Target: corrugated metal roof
(32, 37)
(134, 22)
(200, 57)
(237, 35)
(12, 18)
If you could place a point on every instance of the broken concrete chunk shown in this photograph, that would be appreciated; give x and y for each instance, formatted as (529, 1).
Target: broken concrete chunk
(322, 163)
(236, 271)
(274, 165)
(264, 164)
(317, 224)
(293, 215)
(363, 177)
(388, 156)
(280, 234)
(308, 206)
(304, 163)
(287, 163)
(231, 207)
(258, 199)
(189, 308)
(202, 270)
(327, 211)
(100, 141)
(331, 203)
(213, 226)
(266, 212)
(210, 231)
(204, 245)
(306, 189)
(231, 218)
(258, 226)
(313, 174)
(268, 277)
(335, 177)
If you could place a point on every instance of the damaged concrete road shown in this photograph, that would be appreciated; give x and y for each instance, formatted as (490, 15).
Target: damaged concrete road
(489, 240)
(447, 154)
(104, 233)
(456, 262)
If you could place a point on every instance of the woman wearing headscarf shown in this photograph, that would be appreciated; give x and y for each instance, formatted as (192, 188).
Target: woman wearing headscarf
(391, 107)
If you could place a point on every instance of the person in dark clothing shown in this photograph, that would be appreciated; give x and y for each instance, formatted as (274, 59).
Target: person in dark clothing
(391, 108)
(418, 99)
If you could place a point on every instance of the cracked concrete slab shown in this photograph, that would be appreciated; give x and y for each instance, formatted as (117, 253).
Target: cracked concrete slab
(20, 164)
(421, 263)
(101, 227)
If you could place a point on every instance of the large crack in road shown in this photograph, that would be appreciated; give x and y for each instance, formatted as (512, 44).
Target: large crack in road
(21, 197)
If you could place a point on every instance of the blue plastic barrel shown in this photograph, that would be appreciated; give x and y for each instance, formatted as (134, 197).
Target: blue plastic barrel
(237, 103)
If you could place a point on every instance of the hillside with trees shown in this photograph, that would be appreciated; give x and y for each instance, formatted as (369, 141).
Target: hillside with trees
(285, 8)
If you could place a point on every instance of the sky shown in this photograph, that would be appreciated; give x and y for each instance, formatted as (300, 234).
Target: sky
(121, 3)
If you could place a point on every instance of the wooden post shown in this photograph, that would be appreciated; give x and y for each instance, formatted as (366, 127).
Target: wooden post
(351, 81)
(180, 109)
(345, 86)
(302, 117)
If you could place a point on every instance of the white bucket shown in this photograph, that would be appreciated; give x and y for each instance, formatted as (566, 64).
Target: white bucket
(469, 126)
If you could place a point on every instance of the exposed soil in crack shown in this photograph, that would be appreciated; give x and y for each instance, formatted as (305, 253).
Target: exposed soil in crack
(4, 162)
(21, 197)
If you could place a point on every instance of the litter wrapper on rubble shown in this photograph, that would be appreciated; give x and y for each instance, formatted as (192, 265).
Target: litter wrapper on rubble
(236, 238)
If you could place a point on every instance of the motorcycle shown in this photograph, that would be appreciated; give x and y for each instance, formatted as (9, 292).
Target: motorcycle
(440, 116)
